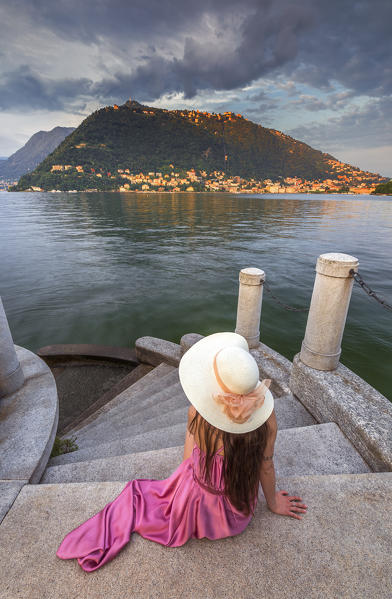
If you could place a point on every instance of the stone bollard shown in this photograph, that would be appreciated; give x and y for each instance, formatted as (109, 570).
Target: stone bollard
(249, 305)
(328, 311)
(11, 374)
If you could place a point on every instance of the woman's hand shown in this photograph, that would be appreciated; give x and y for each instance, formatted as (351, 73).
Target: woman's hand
(286, 505)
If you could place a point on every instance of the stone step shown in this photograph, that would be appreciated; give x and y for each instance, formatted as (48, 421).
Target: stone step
(111, 432)
(155, 439)
(312, 444)
(320, 449)
(9, 490)
(158, 463)
(340, 548)
(146, 399)
(152, 380)
(289, 413)
(131, 412)
(130, 379)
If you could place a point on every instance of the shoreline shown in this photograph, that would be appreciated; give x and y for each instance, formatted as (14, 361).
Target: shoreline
(233, 193)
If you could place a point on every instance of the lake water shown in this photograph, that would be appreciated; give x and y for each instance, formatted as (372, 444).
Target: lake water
(111, 267)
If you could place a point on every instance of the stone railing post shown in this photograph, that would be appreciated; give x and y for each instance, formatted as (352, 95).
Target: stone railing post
(249, 305)
(11, 374)
(328, 311)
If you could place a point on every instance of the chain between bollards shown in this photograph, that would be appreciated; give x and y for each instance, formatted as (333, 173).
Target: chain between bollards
(368, 290)
(357, 278)
(285, 306)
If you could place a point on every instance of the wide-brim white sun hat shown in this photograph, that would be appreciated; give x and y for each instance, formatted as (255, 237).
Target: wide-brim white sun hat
(219, 364)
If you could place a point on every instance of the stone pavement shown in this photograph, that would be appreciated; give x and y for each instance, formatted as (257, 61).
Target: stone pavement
(340, 549)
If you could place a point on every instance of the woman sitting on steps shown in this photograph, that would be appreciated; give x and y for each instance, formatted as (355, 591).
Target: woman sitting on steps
(228, 450)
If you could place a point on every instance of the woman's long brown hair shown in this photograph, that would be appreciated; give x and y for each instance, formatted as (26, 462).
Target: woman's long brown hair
(243, 455)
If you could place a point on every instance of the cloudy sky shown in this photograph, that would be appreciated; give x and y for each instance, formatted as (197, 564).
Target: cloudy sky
(319, 70)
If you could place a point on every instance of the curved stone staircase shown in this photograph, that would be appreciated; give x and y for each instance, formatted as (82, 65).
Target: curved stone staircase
(140, 434)
(126, 437)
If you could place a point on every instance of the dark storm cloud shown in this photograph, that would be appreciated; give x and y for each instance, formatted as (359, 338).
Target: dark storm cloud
(267, 40)
(317, 44)
(351, 44)
(221, 45)
(91, 20)
(24, 89)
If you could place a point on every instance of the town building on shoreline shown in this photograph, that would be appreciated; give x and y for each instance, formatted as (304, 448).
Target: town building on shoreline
(81, 178)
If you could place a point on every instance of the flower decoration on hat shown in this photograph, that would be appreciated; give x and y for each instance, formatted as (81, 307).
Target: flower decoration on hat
(239, 407)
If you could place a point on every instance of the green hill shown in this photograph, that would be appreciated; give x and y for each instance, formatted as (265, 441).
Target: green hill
(142, 139)
(383, 189)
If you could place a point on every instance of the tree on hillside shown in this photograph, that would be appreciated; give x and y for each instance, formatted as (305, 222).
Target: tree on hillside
(383, 189)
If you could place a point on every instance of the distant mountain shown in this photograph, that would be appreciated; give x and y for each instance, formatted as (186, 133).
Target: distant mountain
(117, 141)
(33, 152)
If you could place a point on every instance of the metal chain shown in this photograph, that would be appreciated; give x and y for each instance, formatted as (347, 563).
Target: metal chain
(369, 291)
(265, 284)
(357, 278)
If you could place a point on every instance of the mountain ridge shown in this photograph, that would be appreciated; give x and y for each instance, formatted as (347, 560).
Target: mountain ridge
(37, 147)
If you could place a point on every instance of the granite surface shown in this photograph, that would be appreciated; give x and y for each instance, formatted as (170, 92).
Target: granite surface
(340, 549)
(152, 382)
(28, 421)
(188, 340)
(104, 397)
(139, 409)
(341, 396)
(9, 490)
(170, 436)
(121, 429)
(141, 400)
(156, 409)
(321, 449)
(273, 365)
(153, 350)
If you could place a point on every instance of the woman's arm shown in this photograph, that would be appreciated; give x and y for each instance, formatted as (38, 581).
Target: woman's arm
(189, 439)
(278, 502)
(267, 471)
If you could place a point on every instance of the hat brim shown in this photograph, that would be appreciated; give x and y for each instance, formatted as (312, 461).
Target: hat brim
(199, 383)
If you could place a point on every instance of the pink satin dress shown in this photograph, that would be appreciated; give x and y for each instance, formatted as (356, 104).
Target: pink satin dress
(168, 511)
